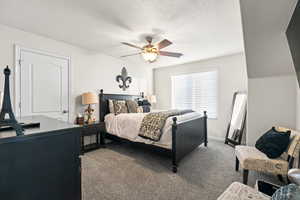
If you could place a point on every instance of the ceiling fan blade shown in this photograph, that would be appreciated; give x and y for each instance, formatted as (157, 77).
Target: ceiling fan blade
(130, 55)
(132, 45)
(164, 43)
(171, 54)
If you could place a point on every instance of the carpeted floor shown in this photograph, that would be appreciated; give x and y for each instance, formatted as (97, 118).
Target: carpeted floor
(126, 172)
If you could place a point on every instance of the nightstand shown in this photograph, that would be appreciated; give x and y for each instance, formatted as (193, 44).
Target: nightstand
(96, 129)
(102, 133)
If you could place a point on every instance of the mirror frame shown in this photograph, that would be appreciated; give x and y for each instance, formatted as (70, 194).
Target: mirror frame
(241, 131)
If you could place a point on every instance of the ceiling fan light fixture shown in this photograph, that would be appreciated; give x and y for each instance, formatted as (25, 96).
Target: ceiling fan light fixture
(150, 55)
(150, 52)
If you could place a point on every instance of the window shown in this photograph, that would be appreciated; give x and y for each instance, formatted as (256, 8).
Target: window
(196, 91)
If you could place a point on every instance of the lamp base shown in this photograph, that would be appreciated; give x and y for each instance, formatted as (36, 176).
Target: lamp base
(89, 113)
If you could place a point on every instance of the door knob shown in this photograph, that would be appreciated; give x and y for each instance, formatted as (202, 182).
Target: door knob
(65, 111)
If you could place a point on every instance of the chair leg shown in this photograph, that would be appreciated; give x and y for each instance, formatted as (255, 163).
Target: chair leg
(245, 176)
(280, 178)
(237, 163)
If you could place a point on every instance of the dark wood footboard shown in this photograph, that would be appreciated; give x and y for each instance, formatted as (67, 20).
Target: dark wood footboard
(186, 137)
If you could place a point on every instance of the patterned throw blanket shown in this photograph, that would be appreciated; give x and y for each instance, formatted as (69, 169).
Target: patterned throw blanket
(153, 123)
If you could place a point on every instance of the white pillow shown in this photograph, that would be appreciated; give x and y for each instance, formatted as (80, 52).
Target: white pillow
(111, 106)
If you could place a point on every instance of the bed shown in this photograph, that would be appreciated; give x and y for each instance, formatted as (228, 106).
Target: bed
(181, 134)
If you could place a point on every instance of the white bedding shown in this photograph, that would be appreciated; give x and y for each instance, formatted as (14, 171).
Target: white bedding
(127, 125)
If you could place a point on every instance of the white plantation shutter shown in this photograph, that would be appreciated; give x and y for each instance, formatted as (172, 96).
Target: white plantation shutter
(196, 91)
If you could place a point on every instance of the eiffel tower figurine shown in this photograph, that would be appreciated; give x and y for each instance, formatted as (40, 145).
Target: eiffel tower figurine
(7, 109)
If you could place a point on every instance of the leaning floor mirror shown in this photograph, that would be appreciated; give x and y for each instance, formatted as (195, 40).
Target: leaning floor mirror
(236, 125)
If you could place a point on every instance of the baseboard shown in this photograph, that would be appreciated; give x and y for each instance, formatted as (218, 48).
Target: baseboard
(216, 138)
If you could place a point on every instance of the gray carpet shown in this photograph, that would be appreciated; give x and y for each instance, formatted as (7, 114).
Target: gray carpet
(126, 172)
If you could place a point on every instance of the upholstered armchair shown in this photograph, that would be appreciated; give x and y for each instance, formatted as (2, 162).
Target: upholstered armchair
(250, 158)
(239, 191)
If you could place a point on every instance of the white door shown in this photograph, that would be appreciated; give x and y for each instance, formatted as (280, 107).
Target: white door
(43, 85)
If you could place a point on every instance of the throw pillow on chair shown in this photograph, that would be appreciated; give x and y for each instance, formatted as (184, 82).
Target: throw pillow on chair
(273, 143)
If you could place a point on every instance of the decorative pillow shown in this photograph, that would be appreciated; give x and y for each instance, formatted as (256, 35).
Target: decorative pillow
(120, 107)
(132, 106)
(288, 192)
(140, 109)
(111, 106)
(273, 143)
(146, 109)
(144, 102)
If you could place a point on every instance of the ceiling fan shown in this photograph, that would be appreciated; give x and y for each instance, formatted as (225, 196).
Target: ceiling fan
(150, 52)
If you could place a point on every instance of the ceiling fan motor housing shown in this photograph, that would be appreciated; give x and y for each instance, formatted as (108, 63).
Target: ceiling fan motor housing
(149, 39)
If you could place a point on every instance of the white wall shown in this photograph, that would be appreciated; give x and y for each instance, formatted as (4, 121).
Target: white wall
(90, 71)
(297, 106)
(271, 102)
(232, 78)
(266, 59)
(272, 81)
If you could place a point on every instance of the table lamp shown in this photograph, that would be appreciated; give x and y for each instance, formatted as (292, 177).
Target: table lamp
(152, 99)
(89, 98)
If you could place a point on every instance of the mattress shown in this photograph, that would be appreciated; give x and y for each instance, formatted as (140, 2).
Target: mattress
(127, 126)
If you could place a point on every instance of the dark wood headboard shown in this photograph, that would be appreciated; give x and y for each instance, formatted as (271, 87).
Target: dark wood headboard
(103, 102)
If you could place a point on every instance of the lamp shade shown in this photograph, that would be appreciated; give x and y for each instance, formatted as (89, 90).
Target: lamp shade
(152, 99)
(89, 98)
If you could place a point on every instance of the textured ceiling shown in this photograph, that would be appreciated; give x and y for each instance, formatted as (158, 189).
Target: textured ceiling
(199, 29)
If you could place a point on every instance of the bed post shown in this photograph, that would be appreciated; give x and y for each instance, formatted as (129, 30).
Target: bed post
(101, 113)
(174, 128)
(205, 129)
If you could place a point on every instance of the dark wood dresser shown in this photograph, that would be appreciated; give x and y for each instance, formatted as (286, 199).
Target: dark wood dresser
(44, 163)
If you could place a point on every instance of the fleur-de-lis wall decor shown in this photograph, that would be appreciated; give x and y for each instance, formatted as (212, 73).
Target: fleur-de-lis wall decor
(123, 79)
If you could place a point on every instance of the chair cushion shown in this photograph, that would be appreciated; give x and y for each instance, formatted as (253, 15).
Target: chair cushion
(273, 143)
(252, 159)
(239, 191)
